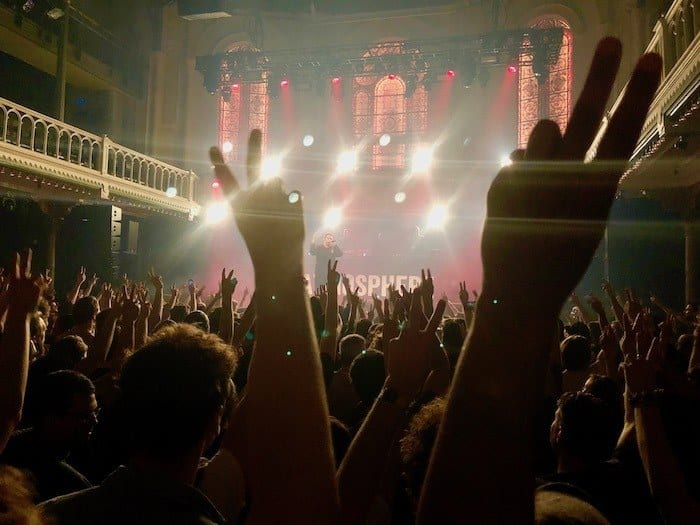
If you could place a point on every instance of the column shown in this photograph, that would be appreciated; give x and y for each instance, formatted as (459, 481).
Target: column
(692, 268)
(56, 212)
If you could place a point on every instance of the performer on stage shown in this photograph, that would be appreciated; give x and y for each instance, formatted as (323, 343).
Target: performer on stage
(328, 251)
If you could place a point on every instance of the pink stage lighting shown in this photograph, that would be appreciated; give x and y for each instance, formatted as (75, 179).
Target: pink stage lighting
(336, 80)
(284, 83)
(236, 87)
(450, 73)
(392, 76)
(216, 184)
(512, 69)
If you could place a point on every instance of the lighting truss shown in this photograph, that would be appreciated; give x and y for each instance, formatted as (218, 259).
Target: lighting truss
(418, 59)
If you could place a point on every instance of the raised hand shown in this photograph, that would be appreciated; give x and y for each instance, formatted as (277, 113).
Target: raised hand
(129, 305)
(426, 283)
(228, 283)
(24, 290)
(596, 304)
(156, 280)
(409, 357)
(553, 203)
(333, 275)
(463, 294)
(270, 220)
(82, 276)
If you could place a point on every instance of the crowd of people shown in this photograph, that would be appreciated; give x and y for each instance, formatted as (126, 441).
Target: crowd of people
(124, 404)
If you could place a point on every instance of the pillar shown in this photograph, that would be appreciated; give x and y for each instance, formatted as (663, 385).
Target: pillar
(56, 212)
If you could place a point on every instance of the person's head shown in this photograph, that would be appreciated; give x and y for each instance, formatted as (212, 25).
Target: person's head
(578, 328)
(328, 239)
(37, 332)
(198, 319)
(350, 347)
(583, 429)
(604, 388)
(67, 352)
(452, 334)
(65, 408)
(575, 353)
(174, 391)
(215, 320)
(362, 327)
(417, 444)
(85, 311)
(17, 497)
(367, 375)
(690, 311)
(178, 313)
(164, 324)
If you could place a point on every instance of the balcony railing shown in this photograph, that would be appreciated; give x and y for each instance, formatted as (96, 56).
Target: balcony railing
(675, 38)
(113, 167)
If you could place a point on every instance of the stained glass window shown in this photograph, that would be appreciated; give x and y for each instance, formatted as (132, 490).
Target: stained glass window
(548, 97)
(246, 109)
(380, 106)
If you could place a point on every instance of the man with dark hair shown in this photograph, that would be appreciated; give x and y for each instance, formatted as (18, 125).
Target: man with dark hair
(326, 252)
(178, 313)
(342, 398)
(174, 393)
(367, 374)
(575, 362)
(583, 436)
(452, 339)
(65, 413)
(85, 313)
(199, 319)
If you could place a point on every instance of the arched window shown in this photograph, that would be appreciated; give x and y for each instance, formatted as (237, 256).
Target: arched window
(245, 109)
(380, 106)
(548, 96)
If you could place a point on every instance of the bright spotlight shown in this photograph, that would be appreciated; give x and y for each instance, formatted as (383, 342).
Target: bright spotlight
(227, 147)
(332, 218)
(384, 140)
(171, 192)
(217, 212)
(450, 73)
(284, 83)
(215, 184)
(347, 161)
(512, 69)
(506, 161)
(308, 141)
(422, 159)
(271, 167)
(437, 218)
(336, 80)
(236, 87)
(399, 197)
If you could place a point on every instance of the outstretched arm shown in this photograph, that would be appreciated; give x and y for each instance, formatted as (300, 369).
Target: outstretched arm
(23, 298)
(550, 202)
(284, 382)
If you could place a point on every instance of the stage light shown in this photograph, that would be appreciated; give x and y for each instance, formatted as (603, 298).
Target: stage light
(506, 161)
(294, 197)
(399, 197)
(217, 212)
(422, 159)
(335, 80)
(450, 73)
(308, 141)
(332, 218)
(236, 87)
(271, 167)
(385, 139)
(216, 184)
(171, 192)
(391, 76)
(227, 147)
(347, 161)
(437, 217)
(55, 13)
(284, 83)
(512, 69)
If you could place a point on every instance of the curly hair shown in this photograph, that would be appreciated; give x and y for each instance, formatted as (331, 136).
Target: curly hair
(17, 499)
(417, 444)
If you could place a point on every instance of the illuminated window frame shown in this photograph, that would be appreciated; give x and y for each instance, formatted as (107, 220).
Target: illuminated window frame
(551, 99)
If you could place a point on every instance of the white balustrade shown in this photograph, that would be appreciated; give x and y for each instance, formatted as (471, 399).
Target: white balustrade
(38, 136)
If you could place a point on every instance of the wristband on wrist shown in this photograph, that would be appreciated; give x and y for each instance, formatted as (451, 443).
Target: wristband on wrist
(646, 397)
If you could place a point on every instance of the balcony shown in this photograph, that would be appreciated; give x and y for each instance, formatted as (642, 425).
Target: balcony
(670, 130)
(41, 155)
